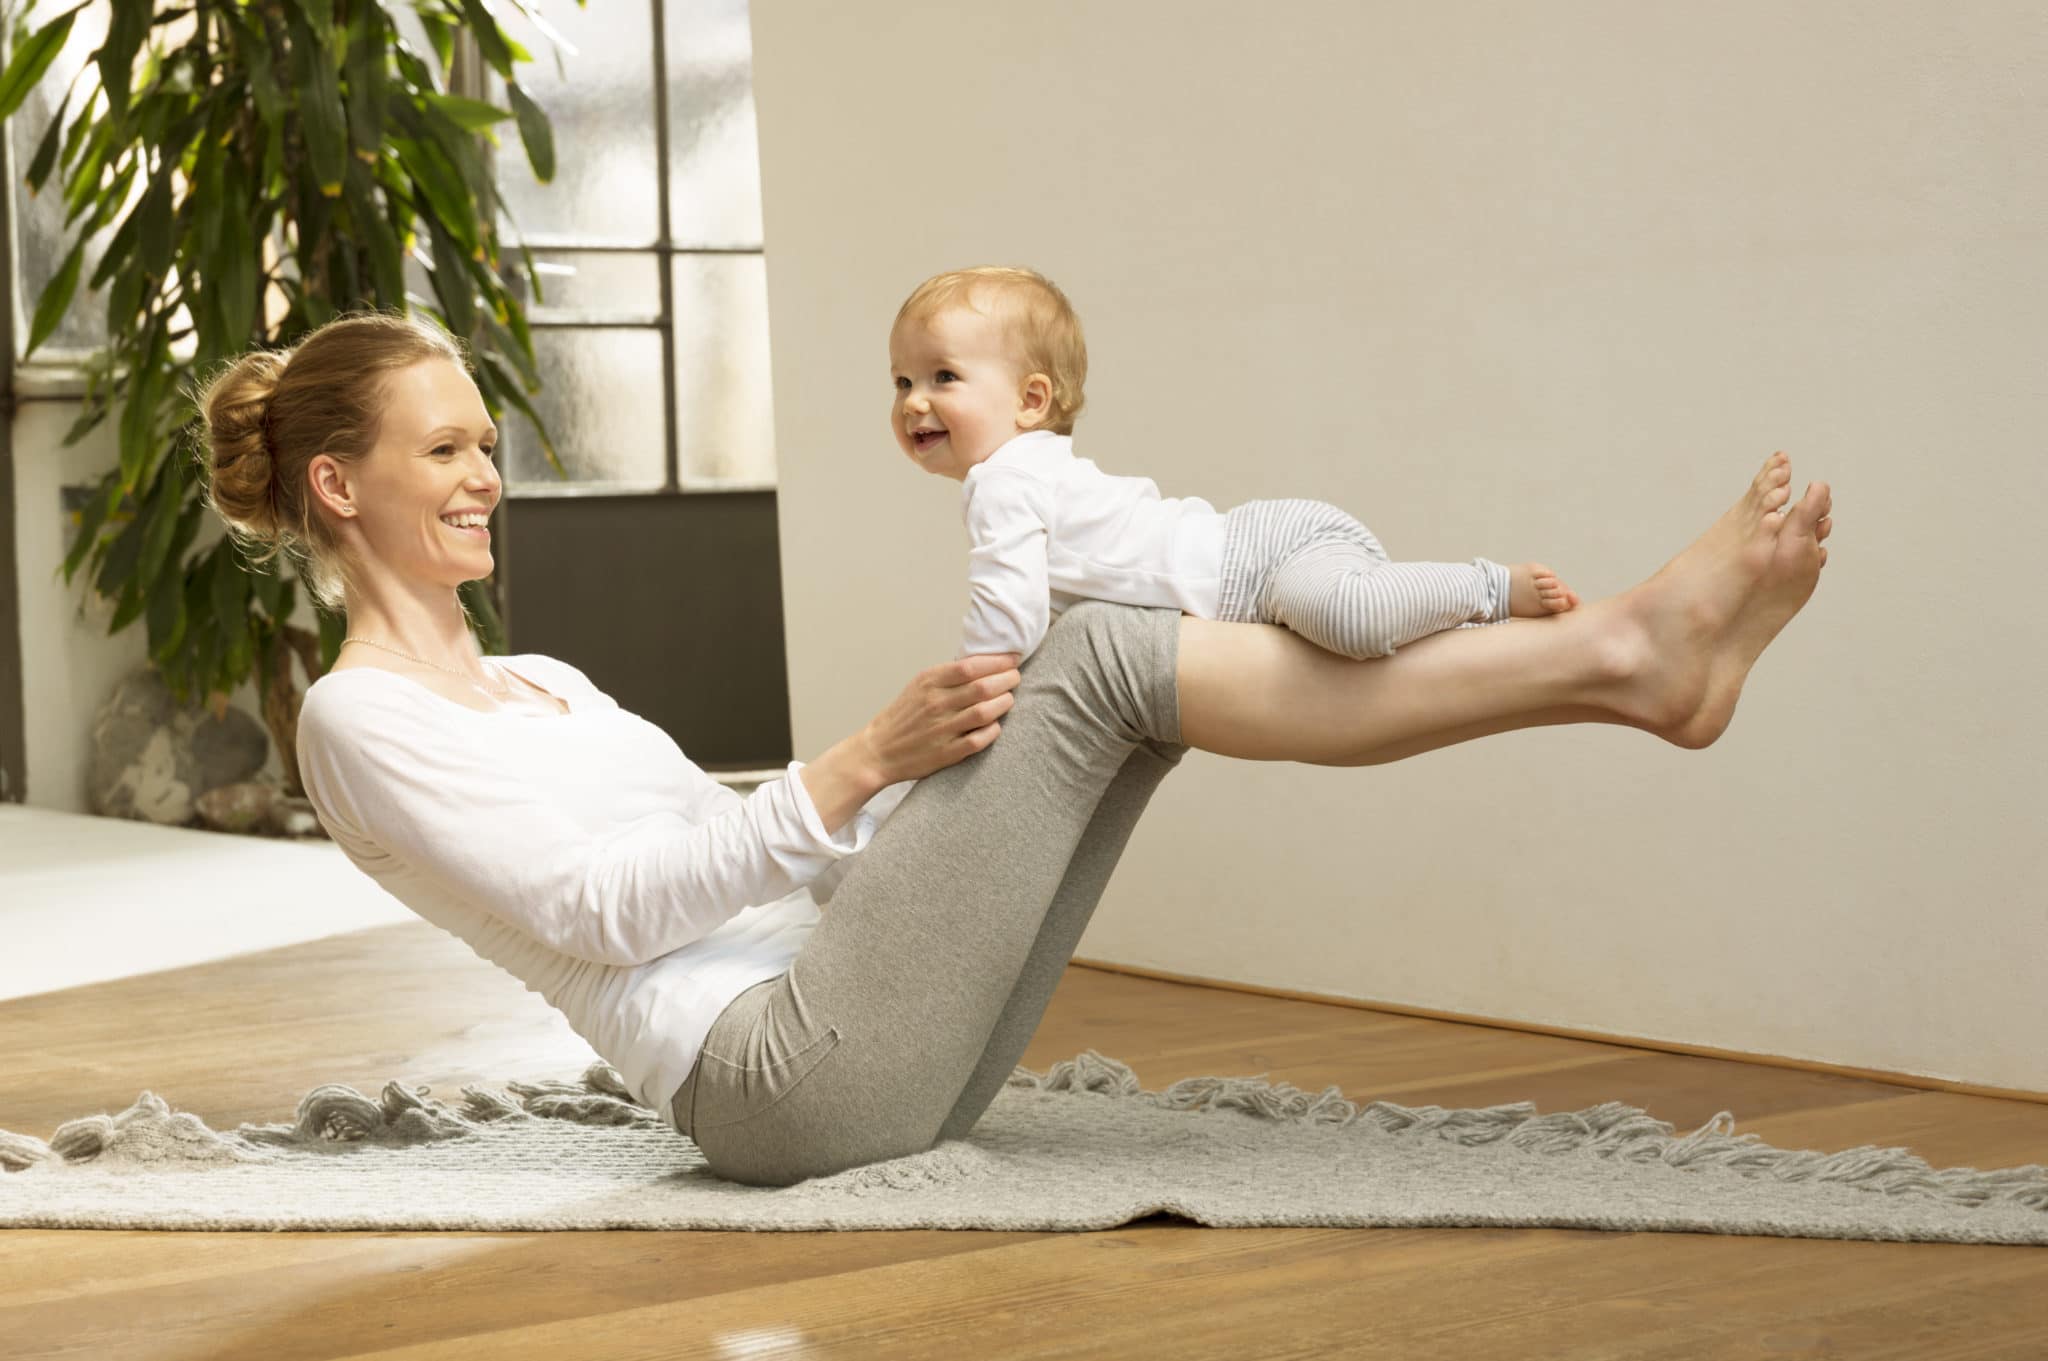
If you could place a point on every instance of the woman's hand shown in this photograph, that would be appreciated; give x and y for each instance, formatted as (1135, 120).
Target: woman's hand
(947, 713)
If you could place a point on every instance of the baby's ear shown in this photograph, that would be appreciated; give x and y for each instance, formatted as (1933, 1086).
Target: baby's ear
(1034, 402)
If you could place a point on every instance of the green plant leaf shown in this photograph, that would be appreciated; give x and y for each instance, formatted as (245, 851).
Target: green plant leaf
(440, 29)
(124, 300)
(33, 57)
(138, 418)
(46, 150)
(333, 628)
(56, 297)
(508, 347)
(162, 514)
(166, 614)
(89, 521)
(387, 257)
(500, 383)
(230, 596)
(154, 213)
(199, 588)
(117, 54)
(75, 138)
(451, 283)
(268, 587)
(118, 246)
(234, 270)
(319, 107)
(83, 186)
(319, 13)
(249, 31)
(471, 115)
(129, 608)
(490, 40)
(364, 66)
(118, 566)
(446, 193)
(536, 133)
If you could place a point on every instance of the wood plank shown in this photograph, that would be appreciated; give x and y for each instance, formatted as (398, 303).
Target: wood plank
(243, 1039)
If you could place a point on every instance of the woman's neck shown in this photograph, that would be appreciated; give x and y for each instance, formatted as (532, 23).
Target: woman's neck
(428, 624)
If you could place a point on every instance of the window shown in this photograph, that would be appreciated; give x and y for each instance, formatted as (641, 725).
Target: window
(653, 339)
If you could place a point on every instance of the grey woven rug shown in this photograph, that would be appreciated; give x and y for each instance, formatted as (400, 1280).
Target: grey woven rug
(1078, 1147)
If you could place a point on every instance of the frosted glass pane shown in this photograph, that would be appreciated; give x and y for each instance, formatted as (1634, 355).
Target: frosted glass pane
(601, 105)
(40, 237)
(714, 156)
(593, 286)
(725, 422)
(602, 403)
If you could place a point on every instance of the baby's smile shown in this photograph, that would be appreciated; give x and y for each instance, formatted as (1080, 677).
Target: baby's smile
(925, 439)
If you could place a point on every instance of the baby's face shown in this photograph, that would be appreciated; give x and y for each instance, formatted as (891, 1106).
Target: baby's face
(958, 390)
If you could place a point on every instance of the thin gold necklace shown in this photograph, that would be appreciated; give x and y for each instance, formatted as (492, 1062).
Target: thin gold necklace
(502, 692)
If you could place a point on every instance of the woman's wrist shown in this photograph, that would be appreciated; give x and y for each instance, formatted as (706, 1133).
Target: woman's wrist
(841, 781)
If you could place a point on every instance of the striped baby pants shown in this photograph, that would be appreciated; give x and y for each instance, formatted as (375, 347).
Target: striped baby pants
(1312, 568)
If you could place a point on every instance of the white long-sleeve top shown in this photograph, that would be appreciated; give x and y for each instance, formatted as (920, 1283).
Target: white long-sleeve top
(582, 853)
(1046, 529)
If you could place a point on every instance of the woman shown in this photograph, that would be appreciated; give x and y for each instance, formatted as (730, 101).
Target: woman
(510, 801)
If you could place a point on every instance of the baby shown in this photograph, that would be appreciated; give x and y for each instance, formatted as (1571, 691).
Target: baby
(988, 366)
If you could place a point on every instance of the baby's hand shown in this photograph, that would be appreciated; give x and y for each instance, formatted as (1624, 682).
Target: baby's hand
(1534, 591)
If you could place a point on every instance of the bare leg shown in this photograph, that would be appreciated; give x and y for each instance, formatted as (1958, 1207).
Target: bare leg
(1668, 656)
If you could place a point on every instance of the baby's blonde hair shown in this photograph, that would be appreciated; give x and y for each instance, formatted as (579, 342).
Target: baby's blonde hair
(1038, 323)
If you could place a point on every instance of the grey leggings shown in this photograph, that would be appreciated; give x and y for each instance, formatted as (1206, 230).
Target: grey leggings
(926, 976)
(1313, 568)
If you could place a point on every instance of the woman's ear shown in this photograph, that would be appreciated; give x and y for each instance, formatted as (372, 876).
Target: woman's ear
(324, 481)
(1034, 402)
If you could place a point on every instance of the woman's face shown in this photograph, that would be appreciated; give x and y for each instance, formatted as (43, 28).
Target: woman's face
(432, 464)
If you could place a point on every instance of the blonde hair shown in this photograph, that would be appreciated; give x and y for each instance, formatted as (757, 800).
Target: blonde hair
(269, 412)
(1038, 323)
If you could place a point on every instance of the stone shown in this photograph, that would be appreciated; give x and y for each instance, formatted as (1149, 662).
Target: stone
(246, 806)
(293, 816)
(152, 758)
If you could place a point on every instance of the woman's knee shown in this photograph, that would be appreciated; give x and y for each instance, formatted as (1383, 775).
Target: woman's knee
(1118, 659)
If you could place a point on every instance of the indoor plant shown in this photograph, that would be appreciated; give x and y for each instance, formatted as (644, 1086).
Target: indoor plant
(289, 153)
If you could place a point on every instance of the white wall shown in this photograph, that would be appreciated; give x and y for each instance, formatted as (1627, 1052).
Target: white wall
(1521, 281)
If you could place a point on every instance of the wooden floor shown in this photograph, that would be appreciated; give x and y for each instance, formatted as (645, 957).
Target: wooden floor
(242, 1040)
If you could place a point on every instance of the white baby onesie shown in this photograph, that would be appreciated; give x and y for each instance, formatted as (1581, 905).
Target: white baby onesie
(1047, 529)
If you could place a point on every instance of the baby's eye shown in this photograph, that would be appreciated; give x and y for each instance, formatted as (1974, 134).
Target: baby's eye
(948, 376)
(902, 383)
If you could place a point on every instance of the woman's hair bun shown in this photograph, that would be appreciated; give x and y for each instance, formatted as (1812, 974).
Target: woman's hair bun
(240, 470)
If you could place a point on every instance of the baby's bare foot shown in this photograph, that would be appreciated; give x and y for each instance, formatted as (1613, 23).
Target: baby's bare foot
(1701, 622)
(1534, 591)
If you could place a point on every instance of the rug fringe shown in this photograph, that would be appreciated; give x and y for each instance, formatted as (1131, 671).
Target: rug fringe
(332, 1116)
(1609, 1130)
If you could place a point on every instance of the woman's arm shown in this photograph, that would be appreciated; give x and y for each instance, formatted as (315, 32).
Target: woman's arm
(946, 714)
(841, 781)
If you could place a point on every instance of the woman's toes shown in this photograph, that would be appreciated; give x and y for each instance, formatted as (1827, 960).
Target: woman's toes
(1802, 517)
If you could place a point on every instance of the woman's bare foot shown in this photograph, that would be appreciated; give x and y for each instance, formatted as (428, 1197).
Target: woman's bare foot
(1690, 634)
(1534, 591)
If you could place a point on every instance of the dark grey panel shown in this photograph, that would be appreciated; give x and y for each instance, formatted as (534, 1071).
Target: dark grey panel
(670, 604)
